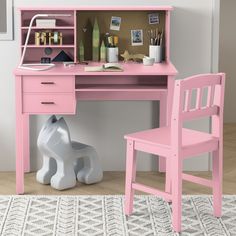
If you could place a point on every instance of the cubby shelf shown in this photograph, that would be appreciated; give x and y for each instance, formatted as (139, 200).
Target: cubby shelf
(53, 28)
(67, 25)
(49, 46)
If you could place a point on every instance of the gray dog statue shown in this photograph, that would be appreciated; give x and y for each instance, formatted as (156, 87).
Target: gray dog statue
(63, 159)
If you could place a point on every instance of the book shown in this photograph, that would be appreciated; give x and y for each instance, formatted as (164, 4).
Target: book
(109, 67)
(46, 23)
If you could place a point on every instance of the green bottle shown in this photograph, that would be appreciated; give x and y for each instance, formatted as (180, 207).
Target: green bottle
(103, 52)
(81, 51)
(96, 37)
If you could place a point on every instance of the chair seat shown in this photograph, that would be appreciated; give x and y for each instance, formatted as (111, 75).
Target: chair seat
(162, 137)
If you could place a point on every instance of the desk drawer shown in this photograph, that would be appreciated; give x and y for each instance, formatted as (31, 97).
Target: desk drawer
(49, 103)
(49, 84)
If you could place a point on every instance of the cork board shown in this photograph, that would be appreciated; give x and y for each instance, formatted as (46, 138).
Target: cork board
(130, 20)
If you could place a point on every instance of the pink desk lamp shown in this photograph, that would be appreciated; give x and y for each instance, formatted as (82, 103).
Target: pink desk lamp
(37, 66)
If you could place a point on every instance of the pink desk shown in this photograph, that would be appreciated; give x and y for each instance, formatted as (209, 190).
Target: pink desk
(57, 91)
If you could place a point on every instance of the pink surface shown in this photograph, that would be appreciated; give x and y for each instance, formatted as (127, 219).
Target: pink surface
(26, 16)
(167, 37)
(50, 84)
(41, 28)
(151, 80)
(162, 137)
(34, 53)
(119, 87)
(49, 104)
(64, 85)
(100, 8)
(26, 138)
(177, 143)
(66, 25)
(166, 109)
(21, 140)
(129, 69)
(121, 95)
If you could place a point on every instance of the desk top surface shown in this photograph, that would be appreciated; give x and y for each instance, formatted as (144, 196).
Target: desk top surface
(99, 8)
(130, 68)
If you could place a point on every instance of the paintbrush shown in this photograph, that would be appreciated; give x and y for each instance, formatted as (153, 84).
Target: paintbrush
(161, 39)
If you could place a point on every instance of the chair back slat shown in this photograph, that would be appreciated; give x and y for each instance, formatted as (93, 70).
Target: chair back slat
(210, 95)
(199, 83)
(187, 102)
(182, 110)
(204, 112)
(199, 98)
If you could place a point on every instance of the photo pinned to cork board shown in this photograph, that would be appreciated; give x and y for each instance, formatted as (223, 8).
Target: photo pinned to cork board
(6, 19)
(137, 37)
(115, 23)
(153, 18)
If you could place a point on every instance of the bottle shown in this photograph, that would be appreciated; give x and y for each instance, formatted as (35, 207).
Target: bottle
(103, 52)
(96, 37)
(106, 39)
(115, 41)
(81, 51)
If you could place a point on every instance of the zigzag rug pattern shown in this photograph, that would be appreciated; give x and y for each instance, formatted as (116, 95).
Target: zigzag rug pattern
(103, 215)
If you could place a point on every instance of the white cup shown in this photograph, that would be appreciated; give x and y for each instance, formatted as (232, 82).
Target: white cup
(155, 52)
(112, 54)
(148, 61)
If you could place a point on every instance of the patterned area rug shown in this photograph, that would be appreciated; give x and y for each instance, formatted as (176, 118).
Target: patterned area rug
(103, 215)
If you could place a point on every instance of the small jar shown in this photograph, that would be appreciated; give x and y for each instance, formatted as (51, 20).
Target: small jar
(155, 51)
(112, 54)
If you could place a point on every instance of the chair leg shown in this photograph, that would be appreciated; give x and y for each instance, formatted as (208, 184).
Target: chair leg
(168, 176)
(217, 174)
(130, 177)
(176, 193)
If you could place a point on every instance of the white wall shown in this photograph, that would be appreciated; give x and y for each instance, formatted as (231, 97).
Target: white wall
(227, 55)
(103, 124)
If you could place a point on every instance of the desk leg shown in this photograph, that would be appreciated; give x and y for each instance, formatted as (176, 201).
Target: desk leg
(165, 113)
(19, 138)
(26, 145)
(162, 122)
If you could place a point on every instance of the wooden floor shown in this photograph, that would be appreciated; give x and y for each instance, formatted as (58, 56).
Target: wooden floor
(113, 182)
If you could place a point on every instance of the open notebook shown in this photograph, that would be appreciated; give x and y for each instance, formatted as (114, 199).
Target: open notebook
(113, 67)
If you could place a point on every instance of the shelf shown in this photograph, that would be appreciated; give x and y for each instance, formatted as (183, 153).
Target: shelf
(121, 92)
(118, 88)
(54, 28)
(49, 46)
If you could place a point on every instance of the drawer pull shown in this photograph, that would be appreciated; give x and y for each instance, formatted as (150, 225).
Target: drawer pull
(47, 83)
(47, 103)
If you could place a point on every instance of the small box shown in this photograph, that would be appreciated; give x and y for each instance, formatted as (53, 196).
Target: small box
(46, 23)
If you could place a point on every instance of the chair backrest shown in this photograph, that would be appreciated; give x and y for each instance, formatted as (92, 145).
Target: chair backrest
(189, 97)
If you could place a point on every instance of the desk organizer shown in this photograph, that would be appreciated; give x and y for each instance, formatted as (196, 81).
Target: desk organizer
(66, 26)
(79, 26)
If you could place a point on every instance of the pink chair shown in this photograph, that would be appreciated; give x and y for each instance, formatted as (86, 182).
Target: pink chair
(177, 143)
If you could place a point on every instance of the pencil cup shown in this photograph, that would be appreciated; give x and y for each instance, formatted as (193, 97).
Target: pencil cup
(112, 54)
(155, 51)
